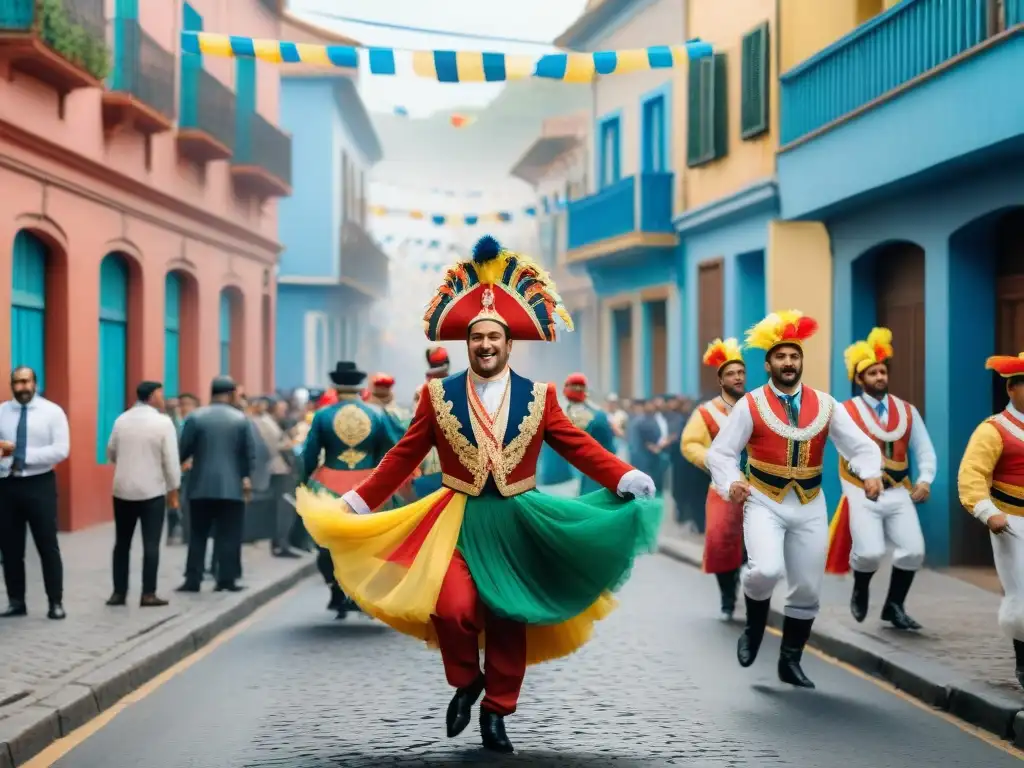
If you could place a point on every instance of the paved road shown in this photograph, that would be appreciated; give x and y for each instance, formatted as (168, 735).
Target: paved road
(659, 685)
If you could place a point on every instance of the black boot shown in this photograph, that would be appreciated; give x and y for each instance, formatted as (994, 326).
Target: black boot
(727, 583)
(1018, 651)
(893, 611)
(795, 633)
(859, 599)
(753, 633)
(460, 709)
(492, 732)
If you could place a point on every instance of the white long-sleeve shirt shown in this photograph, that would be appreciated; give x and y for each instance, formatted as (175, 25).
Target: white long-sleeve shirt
(723, 459)
(921, 447)
(49, 439)
(144, 448)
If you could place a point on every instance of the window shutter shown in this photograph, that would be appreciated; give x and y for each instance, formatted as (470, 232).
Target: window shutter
(693, 115)
(720, 107)
(754, 87)
(708, 123)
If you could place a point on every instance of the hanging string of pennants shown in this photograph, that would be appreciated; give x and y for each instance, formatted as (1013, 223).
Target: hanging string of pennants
(548, 204)
(451, 66)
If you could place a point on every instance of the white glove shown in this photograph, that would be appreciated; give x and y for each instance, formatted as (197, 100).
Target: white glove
(637, 483)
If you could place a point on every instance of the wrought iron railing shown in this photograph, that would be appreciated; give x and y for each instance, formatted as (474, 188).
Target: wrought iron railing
(142, 67)
(76, 29)
(207, 104)
(265, 145)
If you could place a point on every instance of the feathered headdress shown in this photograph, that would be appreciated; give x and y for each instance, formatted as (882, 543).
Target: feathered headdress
(498, 285)
(875, 349)
(575, 387)
(720, 353)
(787, 327)
(382, 381)
(1006, 366)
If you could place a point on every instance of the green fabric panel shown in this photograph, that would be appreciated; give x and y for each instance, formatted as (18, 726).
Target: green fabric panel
(543, 559)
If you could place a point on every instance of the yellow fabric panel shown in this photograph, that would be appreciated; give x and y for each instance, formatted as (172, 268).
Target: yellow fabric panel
(696, 440)
(215, 45)
(519, 67)
(980, 458)
(579, 69)
(267, 50)
(313, 54)
(632, 61)
(470, 66)
(423, 64)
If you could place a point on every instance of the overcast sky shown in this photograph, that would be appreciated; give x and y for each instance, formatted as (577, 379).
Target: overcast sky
(540, 20)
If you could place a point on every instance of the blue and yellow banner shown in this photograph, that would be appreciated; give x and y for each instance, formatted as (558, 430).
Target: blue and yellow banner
(547, 205)
(451, 66)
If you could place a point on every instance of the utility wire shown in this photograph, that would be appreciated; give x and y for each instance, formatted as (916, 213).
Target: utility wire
(426, 30)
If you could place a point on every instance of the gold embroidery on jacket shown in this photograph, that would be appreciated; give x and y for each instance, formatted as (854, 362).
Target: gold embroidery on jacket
(528, 427)
(352, 426)
(467, 454)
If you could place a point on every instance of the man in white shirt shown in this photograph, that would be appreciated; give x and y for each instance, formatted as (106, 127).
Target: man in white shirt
(784, 427)
(34, 438)
(143, 447)
(898, 429)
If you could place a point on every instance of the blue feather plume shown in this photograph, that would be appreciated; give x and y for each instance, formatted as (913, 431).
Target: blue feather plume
(486, 249)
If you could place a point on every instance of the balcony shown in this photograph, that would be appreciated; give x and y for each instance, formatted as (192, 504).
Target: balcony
(627, 218)
(262, 164)
(59, 42)
(141, 94)
(364, 266)
(206, 128)
(884, 92)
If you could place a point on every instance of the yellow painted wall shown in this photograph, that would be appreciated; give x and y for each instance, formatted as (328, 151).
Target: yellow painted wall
(723, 24)
(798, 274)
(808, 28)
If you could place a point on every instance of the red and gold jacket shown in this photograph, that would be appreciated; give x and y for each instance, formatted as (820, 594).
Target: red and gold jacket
(892, 438)
(471, 451)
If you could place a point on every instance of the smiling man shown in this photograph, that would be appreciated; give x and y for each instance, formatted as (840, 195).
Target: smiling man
(488, 559)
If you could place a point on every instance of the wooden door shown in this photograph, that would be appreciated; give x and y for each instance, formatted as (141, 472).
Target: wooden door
(623, 328)
(899, 283)
(658, 315)
(710, 318)
(1009, 297)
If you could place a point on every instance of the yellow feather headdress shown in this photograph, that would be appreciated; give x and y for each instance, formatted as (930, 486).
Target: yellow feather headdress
(719, 353)
(789, 326)
(861, 355)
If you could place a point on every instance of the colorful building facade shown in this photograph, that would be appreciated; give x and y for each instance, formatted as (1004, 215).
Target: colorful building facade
(904, 139)
(138, 222)
(331, 271)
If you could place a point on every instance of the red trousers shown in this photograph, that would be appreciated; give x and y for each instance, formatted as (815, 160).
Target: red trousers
(460, 618)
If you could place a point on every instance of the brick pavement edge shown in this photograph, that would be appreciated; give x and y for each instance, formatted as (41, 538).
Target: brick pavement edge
(934, 685)
(25, 734)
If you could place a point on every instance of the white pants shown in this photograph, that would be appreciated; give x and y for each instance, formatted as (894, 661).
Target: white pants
(788, 539)
(892, 519)
(1008, 553)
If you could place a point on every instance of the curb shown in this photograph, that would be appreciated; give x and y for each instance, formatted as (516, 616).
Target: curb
(28, 732)
(969, 700)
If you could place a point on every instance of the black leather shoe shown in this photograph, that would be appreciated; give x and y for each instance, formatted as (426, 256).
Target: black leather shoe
(13, 610)
(898, 617)
(116, 599)
(492, 733)
(795, 633)
(56, 612)
(460, 709)
(753, 633)
(188, 586)
(228, 586)
(861, 592)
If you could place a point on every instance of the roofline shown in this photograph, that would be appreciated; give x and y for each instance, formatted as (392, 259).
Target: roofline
(523, 174)
(329, 37)
(590, 23)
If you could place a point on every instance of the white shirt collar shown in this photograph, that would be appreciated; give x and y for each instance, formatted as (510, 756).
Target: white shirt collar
(873, 402)
(482, 382)
(777, 391)
(1014, 412)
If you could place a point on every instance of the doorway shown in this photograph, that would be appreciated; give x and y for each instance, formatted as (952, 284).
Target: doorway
(657, 322)
(710, 318)
(622, 323)
(899, 286)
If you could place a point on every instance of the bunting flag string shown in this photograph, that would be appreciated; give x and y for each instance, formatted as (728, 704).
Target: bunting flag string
(451, 66)
(548, 205)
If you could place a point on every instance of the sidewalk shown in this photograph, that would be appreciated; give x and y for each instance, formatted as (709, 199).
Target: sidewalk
(960, 662)
(57, 675)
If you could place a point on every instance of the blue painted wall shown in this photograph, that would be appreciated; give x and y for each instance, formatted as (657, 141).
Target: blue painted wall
(738, 242)
(293, 302)
(952, 223)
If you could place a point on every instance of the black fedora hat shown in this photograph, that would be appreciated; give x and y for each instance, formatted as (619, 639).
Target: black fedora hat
(347, 374)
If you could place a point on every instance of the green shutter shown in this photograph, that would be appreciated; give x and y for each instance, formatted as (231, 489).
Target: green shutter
(693, 154)
(754, 86)
(708, 119)
(720, 105)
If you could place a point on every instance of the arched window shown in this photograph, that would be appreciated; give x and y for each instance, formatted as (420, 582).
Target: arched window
(113, 343)
(225, 333)
(28, 306)
(172, 334)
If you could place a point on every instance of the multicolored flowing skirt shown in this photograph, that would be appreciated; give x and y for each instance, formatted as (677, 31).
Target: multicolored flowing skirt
(551, 563)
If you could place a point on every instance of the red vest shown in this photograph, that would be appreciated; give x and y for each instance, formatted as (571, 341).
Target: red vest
(893, 439)
(782, 457)
(1007, 490)
(709, 418)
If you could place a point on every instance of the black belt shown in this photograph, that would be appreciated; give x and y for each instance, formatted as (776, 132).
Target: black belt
(1005, 498)
(807, 483)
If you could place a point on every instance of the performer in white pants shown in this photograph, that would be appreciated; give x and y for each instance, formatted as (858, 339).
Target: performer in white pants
(861, 528)
(783, 426)
(991, 484)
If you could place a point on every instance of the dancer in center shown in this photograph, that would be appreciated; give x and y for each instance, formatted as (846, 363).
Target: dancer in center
(783, 426)
(488, 554)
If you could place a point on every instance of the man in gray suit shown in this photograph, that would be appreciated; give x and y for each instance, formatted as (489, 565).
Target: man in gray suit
(219, 441)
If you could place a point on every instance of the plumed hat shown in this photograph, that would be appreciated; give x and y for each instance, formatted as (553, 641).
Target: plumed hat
(498, 285)
(875, 349)
(722, 352)
(788, 327)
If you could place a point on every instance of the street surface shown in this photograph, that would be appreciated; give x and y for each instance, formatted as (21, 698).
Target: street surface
(658, 685)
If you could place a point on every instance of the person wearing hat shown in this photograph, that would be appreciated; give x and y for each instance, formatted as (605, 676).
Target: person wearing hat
(991, 488)
(861, 529)
(783, 426)
(723, 537)
(588, 417)
(428, 478)
(347, 439)
(382, 395)
(438, 363)
(487, 558)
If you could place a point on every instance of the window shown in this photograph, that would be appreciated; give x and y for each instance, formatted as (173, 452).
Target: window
(225, 333)
(654, 135)
(28, 306)
(172, 333)
(707, 122)
(611, 168)
(112, 367)
(754, 84)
